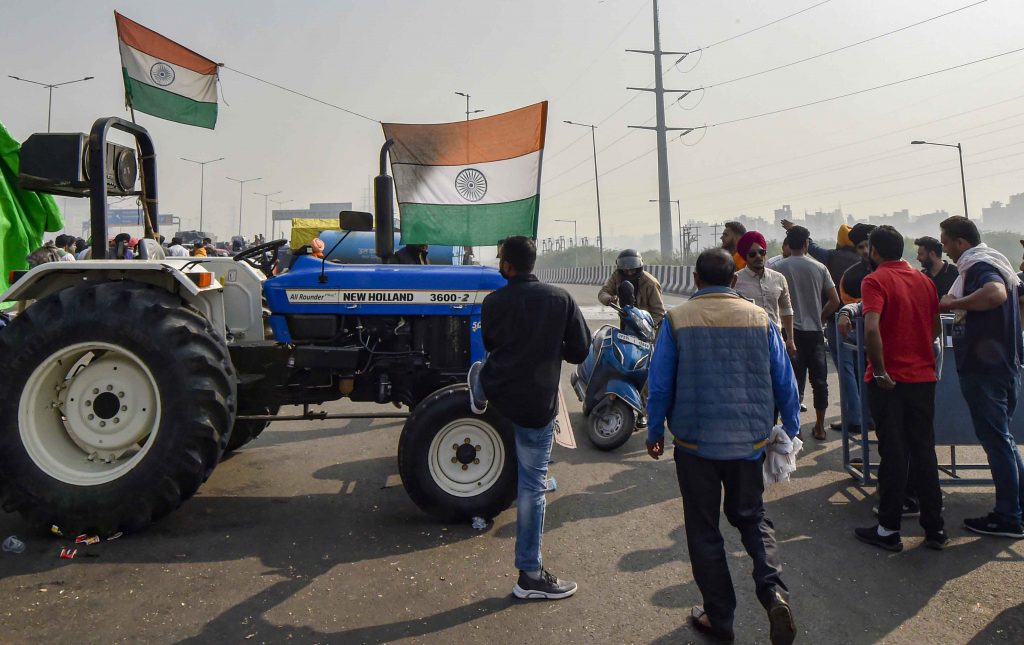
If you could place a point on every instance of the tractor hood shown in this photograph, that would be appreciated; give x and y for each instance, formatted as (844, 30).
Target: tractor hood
(388, 289)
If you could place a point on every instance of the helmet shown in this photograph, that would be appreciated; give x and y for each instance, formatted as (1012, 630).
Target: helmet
(629, 259)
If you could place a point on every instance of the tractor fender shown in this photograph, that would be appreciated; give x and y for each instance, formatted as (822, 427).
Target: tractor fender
(180, 277)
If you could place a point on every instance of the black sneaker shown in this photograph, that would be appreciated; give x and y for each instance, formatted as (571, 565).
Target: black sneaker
(548, 587)
(836, 425)
(870, 536)
(936, 540)
(911, 508)
(478, 407)
(803, 408)
(992, 524)
(641, 421)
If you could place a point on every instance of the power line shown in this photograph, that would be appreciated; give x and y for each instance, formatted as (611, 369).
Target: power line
(863, 91)
(943, 185)
(845, 47)
(877, 180)
(873, 158)
(611, 43)
(599, 123)
(853, 143)
(774, 22)
(305, 96)
(607, 172)
(587, 159)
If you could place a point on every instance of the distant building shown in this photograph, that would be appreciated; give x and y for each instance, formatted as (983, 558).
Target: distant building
(1010, 217)
(783, 213)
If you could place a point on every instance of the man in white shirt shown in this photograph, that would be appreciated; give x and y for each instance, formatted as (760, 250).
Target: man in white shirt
(176, 250)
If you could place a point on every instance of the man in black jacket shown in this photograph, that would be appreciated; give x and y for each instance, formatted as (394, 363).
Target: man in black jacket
(528, 327)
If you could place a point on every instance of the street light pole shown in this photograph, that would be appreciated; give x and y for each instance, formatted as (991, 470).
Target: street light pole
(960, 151)
(50, 86)
(202, 182)
(279, 204)
(266, 213)
(468, 112)
(597, 186)
(241, 184)
(575, 245)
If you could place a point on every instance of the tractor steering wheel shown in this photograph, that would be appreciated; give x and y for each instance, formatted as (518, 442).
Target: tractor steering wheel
(262, 257)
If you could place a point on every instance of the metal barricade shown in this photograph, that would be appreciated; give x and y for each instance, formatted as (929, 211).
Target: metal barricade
(953, 426)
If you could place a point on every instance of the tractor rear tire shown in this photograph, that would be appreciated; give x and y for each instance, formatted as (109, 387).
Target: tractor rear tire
(246, 431)
(115, 404)
(457, 465)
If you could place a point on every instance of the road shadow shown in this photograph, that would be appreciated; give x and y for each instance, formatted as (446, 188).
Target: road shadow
(1007, 627)
(277, 435)
(296, 539)
(867, 597)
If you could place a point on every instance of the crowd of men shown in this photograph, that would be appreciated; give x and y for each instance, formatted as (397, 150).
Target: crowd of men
(65, 248)
(752, 332)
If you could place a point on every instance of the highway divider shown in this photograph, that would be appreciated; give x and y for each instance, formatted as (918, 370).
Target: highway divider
(673, 278)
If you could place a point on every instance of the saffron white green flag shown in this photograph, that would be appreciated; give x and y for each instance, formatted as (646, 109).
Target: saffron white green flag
(165, 79)
(470, 182)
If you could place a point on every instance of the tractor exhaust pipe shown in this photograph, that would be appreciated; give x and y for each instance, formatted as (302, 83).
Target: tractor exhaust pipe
(383, 207)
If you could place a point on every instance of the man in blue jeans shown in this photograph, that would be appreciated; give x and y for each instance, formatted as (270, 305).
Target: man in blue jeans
(528, 329)
(988, 348)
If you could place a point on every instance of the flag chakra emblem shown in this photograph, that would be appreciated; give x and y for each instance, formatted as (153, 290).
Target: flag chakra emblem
(471, 184)
(162, 74)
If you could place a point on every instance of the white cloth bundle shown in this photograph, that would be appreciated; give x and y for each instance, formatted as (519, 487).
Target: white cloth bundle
(982, 253)
(780, 456)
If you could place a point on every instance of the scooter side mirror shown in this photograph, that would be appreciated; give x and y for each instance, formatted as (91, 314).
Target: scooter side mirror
(627, 294)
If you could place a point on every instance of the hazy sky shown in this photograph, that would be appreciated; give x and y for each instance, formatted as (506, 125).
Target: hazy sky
(400, 60)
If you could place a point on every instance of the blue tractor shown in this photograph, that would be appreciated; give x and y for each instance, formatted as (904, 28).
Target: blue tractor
(125, 381)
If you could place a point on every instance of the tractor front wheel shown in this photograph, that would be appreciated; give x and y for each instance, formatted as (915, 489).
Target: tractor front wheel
(455, 464)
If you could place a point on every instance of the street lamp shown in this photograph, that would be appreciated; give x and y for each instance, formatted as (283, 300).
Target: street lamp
(575, 246)
(266, 213)
(241, 184)
(50, 86)
(468, 112)
(279, 204)
(202, 181)
(679, 217)
(963, 182)
(597, 186)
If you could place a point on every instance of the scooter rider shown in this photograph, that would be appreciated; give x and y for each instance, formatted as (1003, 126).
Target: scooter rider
(630, 266)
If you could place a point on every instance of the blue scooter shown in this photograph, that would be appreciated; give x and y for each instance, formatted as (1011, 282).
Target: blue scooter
(610, 381)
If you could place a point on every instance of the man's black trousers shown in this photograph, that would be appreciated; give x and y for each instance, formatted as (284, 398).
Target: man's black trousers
(701, 482)
(904, 419)
(811, 357)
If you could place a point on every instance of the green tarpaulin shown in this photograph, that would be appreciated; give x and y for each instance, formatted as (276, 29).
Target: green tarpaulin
(24, 215)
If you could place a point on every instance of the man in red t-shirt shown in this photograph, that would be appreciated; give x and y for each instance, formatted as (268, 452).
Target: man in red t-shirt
(901, 320)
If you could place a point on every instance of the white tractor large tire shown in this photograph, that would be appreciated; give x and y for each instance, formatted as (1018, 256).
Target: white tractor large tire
(116, 402)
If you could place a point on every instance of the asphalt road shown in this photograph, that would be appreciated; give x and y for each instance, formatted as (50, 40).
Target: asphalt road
(307, 536)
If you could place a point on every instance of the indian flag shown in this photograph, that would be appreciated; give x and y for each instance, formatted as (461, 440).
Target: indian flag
(164, 79)
(470, 182)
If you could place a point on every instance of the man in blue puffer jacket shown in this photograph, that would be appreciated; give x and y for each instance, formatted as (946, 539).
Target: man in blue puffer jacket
(718, 372)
